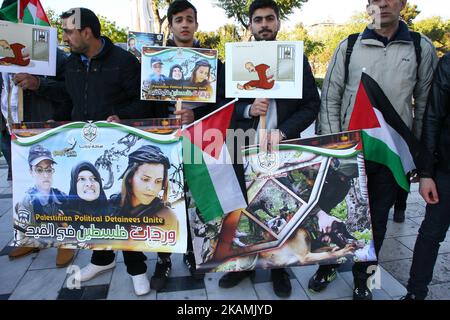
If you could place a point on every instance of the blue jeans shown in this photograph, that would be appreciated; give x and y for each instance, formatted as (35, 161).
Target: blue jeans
(431, 233)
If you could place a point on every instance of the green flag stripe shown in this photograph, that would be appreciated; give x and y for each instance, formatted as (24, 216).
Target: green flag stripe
(200, 184)
(377, 151)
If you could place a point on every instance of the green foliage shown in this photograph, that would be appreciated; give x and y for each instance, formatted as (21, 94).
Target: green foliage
(109, 28)
(340, 211)
(239, 9)
(410, 13)
(365, 235)
(438, 30)
(217, 39)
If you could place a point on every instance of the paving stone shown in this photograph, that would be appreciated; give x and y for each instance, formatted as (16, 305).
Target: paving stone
(394, 250)
(264, 291)
(121, 287)
(407, 228)
(335, 290)
(199, 294)
(12, 271)
(31, 285)
(243, 291)
(45, 259)
(179, 269)
(410, 242)
(439, 291)
(399, 270)
(414, 210)
(417, 221)
(6, 224)
(378, 294)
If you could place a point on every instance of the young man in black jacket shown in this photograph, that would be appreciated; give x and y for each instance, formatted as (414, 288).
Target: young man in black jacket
(182, 17)
(103, 82)
(290, 117)
(434, 183)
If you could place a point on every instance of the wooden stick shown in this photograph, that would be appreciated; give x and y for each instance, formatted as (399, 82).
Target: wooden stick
(178, 107)
(20, 104)
(263, 133)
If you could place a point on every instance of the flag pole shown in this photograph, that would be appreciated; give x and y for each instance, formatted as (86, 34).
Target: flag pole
(20, 91)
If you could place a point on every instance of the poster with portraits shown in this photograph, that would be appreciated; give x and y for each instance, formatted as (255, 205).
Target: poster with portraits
(186, 74)
(137, 40)
(264, 69)
(307, 204)
(99, 185)
(27, 48)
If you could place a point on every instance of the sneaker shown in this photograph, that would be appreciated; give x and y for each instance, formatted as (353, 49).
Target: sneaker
(232, 279)
(140, 284)
(281, 283)
(361, 292)
(321, 279)
(161, 274)
(92, 270)
(399, 216)
(189, 261)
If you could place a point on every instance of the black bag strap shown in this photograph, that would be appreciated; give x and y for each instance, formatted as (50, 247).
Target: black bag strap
(351, 40)
(416, 36)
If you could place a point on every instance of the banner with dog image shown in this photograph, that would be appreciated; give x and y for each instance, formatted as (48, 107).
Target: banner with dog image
(264, 69)
(184, 74)
(307, 204)
(99, 186)
(27, 48)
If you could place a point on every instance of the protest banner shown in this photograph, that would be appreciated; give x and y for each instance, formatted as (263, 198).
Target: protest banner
(27, 48)
(264, 69)
(137, 40)
(307, 204)
(179, 74)
(99, 185)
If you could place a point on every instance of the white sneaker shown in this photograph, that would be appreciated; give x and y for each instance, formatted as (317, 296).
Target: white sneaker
(141, 284)
(93, 270)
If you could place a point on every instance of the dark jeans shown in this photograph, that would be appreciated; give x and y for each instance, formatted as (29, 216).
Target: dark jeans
(402, 197)
(382, 189)
(6, 147)
(134, 260)
(431, 233)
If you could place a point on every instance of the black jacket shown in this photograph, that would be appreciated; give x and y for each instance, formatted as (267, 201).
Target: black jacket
(436, 121)
(50, 101)
(110, 86)
(294, 115)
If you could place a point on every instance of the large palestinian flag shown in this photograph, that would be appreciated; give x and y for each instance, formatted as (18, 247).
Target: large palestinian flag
(29, 11)
(386, 138)
(208, 167)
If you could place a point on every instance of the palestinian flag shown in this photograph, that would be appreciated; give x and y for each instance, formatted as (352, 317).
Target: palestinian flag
(386, 138)
(31, 11)
(208, 168)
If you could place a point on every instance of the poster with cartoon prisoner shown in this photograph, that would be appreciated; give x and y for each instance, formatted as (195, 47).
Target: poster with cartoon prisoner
(264, 69)
(184, 74)
(307, 204)
(27, 48)
(137, 40)
(99, 186)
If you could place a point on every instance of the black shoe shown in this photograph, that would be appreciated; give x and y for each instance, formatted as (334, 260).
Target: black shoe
(321, 279)
(361, 291)
(161, 274)
(189, 261)
(399, 216)
(232, 279)
(281, 283)
(410, 296)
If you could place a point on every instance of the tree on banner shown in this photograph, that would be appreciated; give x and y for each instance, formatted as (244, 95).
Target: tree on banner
(386, 138)
(208, 168)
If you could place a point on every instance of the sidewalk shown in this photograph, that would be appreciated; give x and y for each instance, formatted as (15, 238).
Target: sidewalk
(36, 277)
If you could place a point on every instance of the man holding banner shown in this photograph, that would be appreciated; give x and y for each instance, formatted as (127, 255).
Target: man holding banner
(288, 117)
(390, 54)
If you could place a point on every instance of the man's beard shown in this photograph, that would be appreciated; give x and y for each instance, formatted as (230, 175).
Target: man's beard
(273, 35)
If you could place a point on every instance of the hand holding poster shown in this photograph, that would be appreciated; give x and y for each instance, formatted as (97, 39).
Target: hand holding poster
(307, 204)
(179, 74)
(27, 48)
(99, 186)
(264, 69)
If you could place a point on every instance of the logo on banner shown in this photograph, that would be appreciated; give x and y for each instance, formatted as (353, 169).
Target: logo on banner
(268, 161)
(90, 132)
